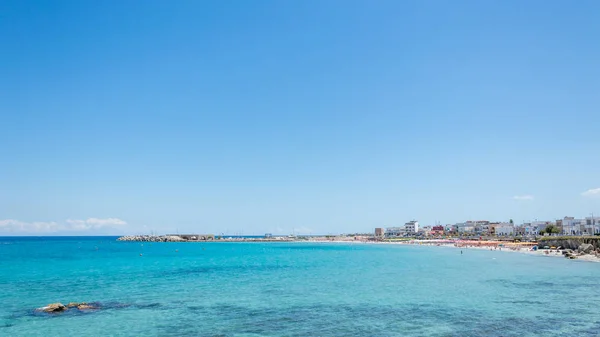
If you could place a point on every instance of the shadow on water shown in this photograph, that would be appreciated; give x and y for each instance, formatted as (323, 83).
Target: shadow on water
(518, 302)
(317, 247)
(345, 320)
(370, 320)
(523, 285)
(410, 319)
(540, 285)
(221, 269)
(100, 307)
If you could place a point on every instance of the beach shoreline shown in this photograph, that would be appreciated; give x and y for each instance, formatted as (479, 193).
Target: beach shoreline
(478, 245)
(492, 245)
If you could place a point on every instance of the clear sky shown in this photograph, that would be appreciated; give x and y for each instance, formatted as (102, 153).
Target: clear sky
(307, 116)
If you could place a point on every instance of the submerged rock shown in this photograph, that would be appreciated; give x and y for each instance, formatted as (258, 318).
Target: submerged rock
(59, 307)
(75, 304)
(54, 307)
(85, 306)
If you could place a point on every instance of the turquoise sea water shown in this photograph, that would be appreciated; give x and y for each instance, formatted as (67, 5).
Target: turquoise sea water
(291, 289)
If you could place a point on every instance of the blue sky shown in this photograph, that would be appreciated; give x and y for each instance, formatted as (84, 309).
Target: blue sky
(308, 116)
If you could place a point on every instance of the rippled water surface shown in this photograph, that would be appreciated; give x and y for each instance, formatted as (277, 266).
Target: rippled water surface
(291, 289)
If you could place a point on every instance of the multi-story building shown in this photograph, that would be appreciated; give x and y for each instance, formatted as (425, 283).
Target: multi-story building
(451, 229)
(520, 230)
(437, 230)
(411, 227)
(505, 229)
(394, 232)
(572, 226)
(592, 225)
(425, 230)
(482, 227)
(379, 232)
(530, 229)
(492, 228)
(465, 228)
(541, 225)
(559, 224)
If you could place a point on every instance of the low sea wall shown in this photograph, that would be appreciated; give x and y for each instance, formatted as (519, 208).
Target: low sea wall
(196, 238)
(152, 238)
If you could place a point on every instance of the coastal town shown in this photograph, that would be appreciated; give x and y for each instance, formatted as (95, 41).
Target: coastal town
(569, 237)
(567, 226)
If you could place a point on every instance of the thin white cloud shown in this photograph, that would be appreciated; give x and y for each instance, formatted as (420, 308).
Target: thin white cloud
(523, 197)
(594, 192)
(11, 225)
(106, 222)
(16, 226)
(95, 223)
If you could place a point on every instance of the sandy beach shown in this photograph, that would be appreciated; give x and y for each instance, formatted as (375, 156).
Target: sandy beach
(495, 246)
(511, 247)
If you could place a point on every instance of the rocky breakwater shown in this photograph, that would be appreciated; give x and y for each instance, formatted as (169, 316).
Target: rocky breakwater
(152, 238)
(573, 247)
(569, 242)
(584, 249)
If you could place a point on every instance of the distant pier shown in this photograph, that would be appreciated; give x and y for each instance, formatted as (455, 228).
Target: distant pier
(200, 238)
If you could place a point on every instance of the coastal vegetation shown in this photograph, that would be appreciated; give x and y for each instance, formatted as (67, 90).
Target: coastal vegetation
(550, 229)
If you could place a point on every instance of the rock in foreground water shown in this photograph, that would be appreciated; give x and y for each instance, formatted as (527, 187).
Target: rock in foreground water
(59, 307)
(54, 307)
(75, 304)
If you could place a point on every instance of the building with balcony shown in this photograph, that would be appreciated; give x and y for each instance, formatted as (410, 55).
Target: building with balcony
(411, 227)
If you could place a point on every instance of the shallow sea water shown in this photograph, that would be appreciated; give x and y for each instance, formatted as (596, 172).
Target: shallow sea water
(291, 289)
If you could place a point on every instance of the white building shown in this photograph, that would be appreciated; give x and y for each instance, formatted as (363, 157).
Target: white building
(572, 226)
(484, 225)
(465, 228)
(540, 225)
(520, 230)
(481, 227)
(394, 231)
(425, 230)
(592, 225)
(530, 230)
(411, 227)
(505, 229)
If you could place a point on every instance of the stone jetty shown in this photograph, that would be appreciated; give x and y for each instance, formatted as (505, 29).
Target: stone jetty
(153, 238)
(199, 238)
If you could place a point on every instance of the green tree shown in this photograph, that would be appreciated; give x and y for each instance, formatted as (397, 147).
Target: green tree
(511, 221)
(550, 229)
